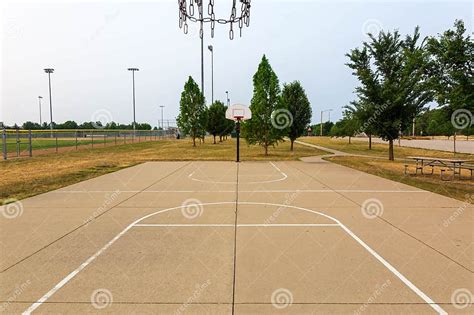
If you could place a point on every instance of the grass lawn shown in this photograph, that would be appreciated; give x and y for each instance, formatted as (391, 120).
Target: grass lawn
(378, 149)
(26, 177)
(47, 143)
(394, 170)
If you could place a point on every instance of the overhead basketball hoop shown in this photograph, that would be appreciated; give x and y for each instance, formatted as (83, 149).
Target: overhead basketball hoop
(238, 113)
(187, 10)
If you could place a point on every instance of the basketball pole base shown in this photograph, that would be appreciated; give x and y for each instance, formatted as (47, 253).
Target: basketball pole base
(237, 129)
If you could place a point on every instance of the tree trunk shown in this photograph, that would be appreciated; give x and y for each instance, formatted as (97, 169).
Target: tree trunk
(266, 149)
(390, 150)
(220, 138)
(214, 139)
(291, 147)
(194, 141)
(454, 138)
(370, 141)
(349, 139)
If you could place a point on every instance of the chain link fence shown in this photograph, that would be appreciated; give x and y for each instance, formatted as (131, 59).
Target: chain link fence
(26, 143)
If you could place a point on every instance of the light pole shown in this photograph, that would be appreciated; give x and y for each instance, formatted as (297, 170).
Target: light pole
(323, 111)
(39, 101)
(49, 71)
(212, 72)
(162, 125)
(228, 99)
(202, 59)
(133, 82)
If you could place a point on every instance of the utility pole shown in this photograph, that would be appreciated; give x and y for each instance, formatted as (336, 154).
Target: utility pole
(228, 99)
(327, 110)
(133, 83)
(162, 124)
(211, 48)
(49, 71)
(202, 58)
(39, 101)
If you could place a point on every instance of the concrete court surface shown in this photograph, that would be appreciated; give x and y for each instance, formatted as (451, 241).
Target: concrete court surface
(247, 238)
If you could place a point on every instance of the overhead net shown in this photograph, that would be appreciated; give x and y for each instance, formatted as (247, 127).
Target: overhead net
(193, 10)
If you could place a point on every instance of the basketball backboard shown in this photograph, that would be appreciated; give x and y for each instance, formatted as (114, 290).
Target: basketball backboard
(238, 112)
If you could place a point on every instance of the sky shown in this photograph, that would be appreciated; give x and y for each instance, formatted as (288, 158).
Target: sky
(90, 44)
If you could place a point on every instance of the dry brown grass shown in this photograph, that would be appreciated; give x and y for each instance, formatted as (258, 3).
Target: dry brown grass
(453, 188)
(26, 177)
(378, 149)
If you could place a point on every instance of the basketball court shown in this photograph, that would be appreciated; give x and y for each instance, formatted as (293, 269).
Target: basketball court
(225, 237)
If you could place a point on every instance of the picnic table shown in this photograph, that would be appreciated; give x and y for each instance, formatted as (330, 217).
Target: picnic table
(453, 164)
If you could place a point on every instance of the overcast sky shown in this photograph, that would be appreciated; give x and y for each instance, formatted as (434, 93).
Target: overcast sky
(90, 44)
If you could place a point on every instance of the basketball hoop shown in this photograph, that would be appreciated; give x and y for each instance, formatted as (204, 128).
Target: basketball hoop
(238, 113)
(186, 12)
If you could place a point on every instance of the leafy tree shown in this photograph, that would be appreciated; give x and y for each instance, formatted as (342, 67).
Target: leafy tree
(364, 115)
(294, 99)
(316, 129)
(452, 61)
(192, 118)
(393, 77)
(348, 126)
(67, 125)
(29, 125)
(143, 126)
(228, 129)
(216, 123)
(265, 101)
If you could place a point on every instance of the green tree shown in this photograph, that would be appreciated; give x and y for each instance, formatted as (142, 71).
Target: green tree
(228, 129)
(348, 126)
(216, 123)
(294, 99)
(393, 77)
(29, 125)
(364, 115)
(192, 118)
(316, 129)
(265, 101)
(452, 60)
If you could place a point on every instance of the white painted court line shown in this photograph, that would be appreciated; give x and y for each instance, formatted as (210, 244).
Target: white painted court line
(238, 225)
(284, 176)
(246, 191)
(392, 269)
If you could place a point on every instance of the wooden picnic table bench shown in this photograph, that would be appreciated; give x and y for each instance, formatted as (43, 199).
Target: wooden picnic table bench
(454, 164)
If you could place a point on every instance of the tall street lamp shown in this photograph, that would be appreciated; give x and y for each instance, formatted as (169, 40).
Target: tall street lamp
(202, 59)
(133, 82)
(39, 101)
(162, 125)
(228, 99)
(49, 71)
(323, 111)
(212, 72)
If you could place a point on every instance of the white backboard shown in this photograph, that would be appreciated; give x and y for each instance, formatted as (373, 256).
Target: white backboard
(238, 112)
